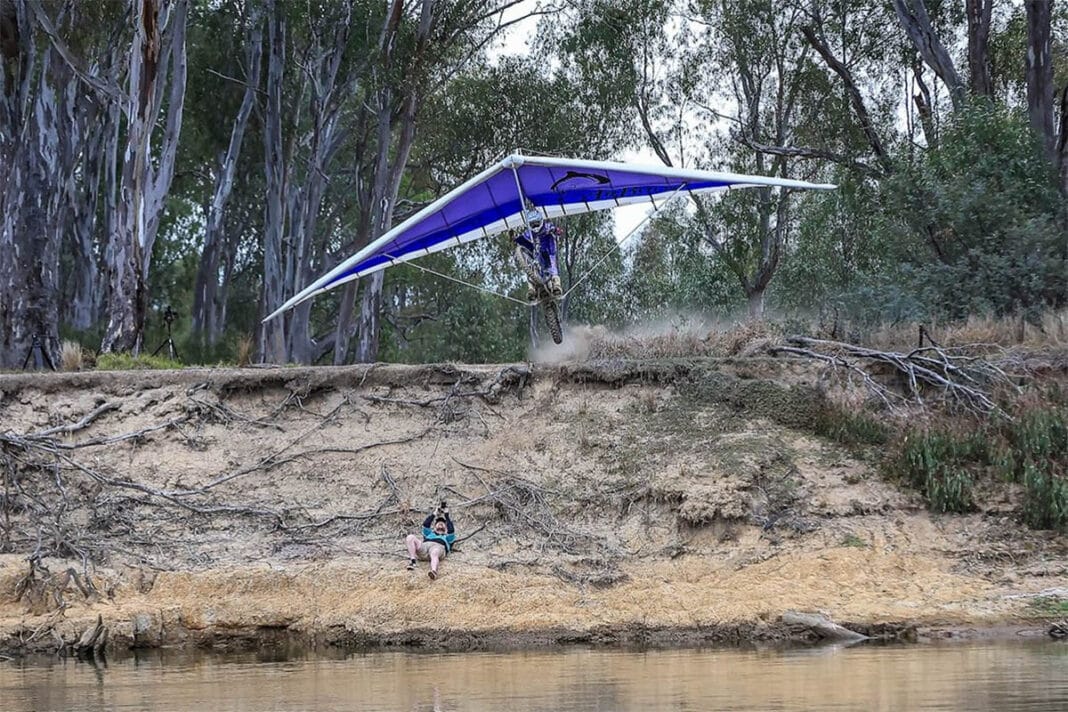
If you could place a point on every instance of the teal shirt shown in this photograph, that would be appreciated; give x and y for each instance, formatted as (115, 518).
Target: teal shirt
(445, 539)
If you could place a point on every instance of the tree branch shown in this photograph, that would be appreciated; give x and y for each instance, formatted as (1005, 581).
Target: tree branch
(814, 153)
(855, 98)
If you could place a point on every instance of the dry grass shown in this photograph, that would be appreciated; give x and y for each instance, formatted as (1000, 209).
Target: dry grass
(71, 357)
(687, 340)
(245, 350)
(696, 338)
(1005, 332)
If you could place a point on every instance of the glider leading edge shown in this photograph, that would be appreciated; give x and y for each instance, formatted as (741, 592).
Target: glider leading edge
(494, 201)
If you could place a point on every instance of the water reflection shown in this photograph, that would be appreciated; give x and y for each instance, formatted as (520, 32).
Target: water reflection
(974, 676)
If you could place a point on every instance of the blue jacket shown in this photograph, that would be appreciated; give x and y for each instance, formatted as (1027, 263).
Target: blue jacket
(545, 236)
(430, 535)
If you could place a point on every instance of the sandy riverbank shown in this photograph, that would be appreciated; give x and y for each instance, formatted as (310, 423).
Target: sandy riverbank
(616, 502)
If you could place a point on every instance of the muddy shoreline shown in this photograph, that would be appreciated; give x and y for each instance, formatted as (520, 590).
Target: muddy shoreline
(754, 635)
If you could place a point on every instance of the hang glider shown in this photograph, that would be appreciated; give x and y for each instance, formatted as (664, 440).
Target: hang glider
(495, 200)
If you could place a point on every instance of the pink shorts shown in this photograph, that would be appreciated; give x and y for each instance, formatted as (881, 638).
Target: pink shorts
(424, 549)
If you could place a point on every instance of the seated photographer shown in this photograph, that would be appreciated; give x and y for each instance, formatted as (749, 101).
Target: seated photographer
(438, 537)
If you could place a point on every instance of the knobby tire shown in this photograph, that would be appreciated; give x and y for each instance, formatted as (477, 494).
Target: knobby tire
(549, 305)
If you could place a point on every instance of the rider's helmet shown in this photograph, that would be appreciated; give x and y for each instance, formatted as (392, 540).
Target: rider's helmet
(534, 219)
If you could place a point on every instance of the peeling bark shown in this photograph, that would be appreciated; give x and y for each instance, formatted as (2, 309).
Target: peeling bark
(914, 19)
(272, 337)
(156, 55)
(978, 12)
(33, 167)
(1039, 65)
(85, 299)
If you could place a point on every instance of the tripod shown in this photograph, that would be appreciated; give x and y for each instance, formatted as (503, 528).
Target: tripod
(39, 353)
(169, 315)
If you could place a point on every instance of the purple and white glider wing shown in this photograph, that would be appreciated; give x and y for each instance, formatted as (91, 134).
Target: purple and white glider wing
(494, 200)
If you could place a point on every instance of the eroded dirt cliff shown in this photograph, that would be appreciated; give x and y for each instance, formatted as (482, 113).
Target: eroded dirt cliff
(687, 500)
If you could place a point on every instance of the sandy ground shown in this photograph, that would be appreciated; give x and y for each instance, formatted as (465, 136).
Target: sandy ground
(606, 502)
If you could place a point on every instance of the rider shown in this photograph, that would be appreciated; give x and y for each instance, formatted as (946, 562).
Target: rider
(438, 538)
(543, 234)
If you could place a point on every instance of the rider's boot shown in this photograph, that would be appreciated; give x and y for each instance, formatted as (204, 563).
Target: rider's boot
(532, 292)
(555, 287)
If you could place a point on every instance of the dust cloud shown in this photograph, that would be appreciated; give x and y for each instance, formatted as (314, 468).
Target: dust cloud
(673, 336)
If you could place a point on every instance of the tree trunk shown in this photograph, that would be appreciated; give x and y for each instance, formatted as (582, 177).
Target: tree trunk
(273, 344)
(1040, 74)
(1062, 152)
(922, 99)
(755, 298)
(143, 189)
(979, 80)
(370, 327)
(344, 324)
(29, 266)
(917, 25)
(390, 161)
(85, 299)
(217, 319)
(206, 286)
(30, 198)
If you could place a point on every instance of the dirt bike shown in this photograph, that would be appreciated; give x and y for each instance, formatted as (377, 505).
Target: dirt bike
(538, 276)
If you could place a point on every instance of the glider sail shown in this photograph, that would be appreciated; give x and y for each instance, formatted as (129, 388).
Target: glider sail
(494, 201)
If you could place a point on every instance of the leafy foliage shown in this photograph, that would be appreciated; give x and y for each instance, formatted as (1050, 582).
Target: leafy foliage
(957, 213)
(974, 226)
(947, 463)
(940, 465)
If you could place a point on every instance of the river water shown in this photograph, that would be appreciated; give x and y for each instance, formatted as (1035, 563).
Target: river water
(974, 676)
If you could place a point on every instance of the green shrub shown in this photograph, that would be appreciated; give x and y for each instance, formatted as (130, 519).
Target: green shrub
(850, 428)
(1037, 456)
(1031, 449)
(941, 465)
(1049, 606)
(853, 541)
(1046, 501)
(128, 362)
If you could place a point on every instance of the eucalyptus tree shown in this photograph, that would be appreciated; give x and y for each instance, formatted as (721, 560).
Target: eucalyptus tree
(1037, 52)
(153, 99)
(345, 124)
(57, 118)
(711, 83)
(228, 44)
(28, 265)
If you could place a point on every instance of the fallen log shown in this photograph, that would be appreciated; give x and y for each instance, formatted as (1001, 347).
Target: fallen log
(93, 639)
(821, 626)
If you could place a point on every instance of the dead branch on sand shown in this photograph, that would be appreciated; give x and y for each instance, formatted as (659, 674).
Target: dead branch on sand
(821, 626)
(962, 381)
(469, 534)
